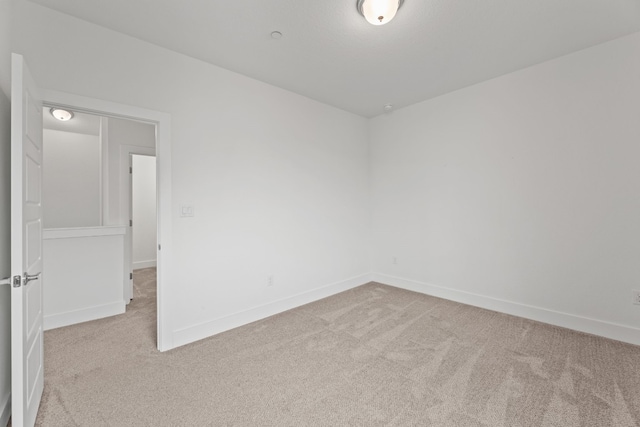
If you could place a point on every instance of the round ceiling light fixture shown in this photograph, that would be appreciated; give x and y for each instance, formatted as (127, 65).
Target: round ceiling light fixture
(378, 12)
(61, 114)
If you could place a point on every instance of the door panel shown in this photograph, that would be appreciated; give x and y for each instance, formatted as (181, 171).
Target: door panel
(34, 369)
(34, 302)
(34, 177)
(27, 355)
(33, 242)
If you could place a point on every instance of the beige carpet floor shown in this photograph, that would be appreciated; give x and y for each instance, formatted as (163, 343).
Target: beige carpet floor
(371, 356)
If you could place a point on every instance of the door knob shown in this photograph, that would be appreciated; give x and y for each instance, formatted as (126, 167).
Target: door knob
(30, 277)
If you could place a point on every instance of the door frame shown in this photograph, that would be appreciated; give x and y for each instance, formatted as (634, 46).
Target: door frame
(162, 122)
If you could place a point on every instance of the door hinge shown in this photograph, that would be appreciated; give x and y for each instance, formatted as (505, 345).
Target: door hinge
(130, 169)
(159, 247)
(130, 223)
(130, 276)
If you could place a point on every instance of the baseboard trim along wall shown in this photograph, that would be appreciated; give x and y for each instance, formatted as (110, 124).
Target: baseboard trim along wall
(5, 410)
(137, 265)
(207, 329)
(84, 315)
(565, 320)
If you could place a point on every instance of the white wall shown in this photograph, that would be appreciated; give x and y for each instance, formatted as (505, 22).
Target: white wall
(523, 190)
(5, 258)
(71, 179)
(83, 270)
(144, 211)
(5, 46)
(278, 181)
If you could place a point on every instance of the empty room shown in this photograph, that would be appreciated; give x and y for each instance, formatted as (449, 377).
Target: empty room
(368, 212)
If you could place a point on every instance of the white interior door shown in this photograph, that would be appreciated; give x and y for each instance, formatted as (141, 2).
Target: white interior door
(27, 371)
(126, 208)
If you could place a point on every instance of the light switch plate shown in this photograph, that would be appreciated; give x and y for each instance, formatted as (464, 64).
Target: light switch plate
(186, 211)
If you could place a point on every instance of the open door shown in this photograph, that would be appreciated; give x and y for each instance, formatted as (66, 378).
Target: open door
(27, 370)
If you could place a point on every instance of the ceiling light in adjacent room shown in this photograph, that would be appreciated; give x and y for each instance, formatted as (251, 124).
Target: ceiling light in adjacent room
(62, 115)
(378, 12)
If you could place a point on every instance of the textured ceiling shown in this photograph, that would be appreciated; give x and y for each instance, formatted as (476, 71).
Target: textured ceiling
(328, 52)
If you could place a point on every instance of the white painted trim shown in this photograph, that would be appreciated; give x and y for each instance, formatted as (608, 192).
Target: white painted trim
(69, 233)
(571, 321)
(162, 122)
(144, 264)
(5, 410)
(104, 170)
(222, 324)
(83, 315)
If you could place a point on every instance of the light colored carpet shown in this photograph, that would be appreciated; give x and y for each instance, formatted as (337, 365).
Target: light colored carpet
(374, 355)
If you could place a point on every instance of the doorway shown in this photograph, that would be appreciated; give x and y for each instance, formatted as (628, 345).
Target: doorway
(88, 202)
(27, 359)
(161, 125)
(142, 171)
(143, 211)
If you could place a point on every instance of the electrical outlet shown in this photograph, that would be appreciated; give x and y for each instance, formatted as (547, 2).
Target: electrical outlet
(636, 297)
(270, 280)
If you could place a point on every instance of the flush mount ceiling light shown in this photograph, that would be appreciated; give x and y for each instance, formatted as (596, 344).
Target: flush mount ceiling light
(62, 115)
(378, 12)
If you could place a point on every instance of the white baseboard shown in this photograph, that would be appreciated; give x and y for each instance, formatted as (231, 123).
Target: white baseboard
(578, 323)
(5, 410)
(144, 264)
(213, 327)
(59, 320)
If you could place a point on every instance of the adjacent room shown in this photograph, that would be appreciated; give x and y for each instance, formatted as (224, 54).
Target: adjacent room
(99, 213)
(368, 212)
